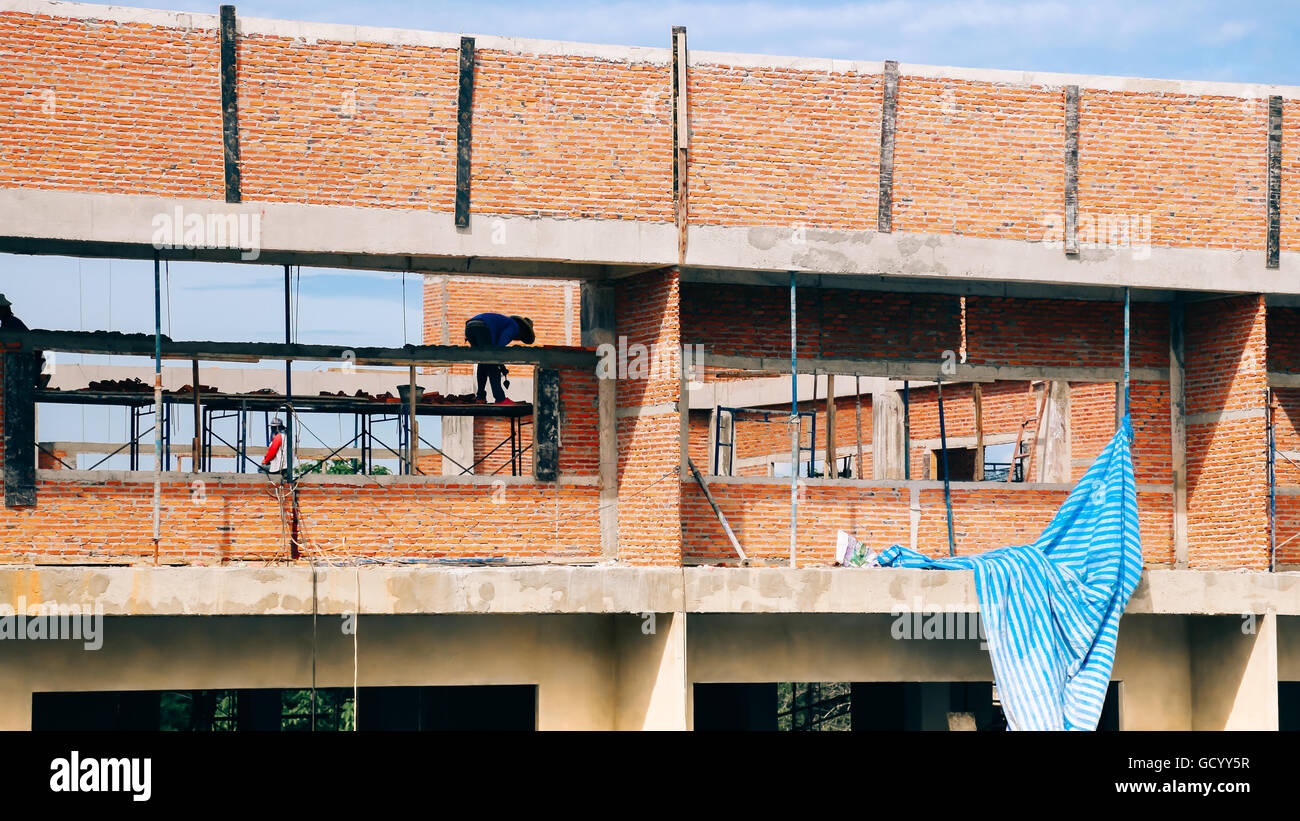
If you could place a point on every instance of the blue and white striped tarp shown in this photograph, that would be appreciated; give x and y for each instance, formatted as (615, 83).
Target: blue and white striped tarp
(1051, 609)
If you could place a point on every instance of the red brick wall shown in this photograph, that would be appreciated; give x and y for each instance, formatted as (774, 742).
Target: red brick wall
(1006, 331)
(977, 158)
(582, 136)
(93, 105)
(240, 520)
(985, 517)
(331, 123)
(646, 311)
(752, 320)
(570, 137)
(1284, 338)
(765, 152)
(1193, 165)
(1226, 471)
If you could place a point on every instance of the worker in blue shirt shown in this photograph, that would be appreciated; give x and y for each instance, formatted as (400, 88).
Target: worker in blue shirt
(488, 330)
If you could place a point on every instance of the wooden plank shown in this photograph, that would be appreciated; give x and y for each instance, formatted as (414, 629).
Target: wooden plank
(546, 425)
(464, 122)
(978, 397)
(1178, 431)
(100, 342)
(925, 370)
(830, 457)
(681, 141)
(230, 102)
(888, 124)
(1071, 169)
(717, 511)
(1273, 243)
(20, 369)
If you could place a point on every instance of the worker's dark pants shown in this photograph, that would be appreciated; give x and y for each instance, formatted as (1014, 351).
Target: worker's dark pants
(478, 336)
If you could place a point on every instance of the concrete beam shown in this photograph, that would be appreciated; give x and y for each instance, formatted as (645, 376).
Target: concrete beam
(127, 226)
(401, 590)
(926, 369)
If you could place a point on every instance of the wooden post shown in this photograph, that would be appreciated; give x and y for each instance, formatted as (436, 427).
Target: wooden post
(978, 396)
(857, 425)
(196, 452)
(681, 140)
(831, 467)
(229, 58)
(1071, 170)
(464, 123)
(888, 119)
(413, 429)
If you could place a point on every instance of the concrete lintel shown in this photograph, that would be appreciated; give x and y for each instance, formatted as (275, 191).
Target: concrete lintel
(945, 256)
(91, 478)
(397, 590)
(124, 225)
(390, 590)
(913, 369)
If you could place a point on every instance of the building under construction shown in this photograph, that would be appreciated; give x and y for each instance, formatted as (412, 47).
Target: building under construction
(775, 299)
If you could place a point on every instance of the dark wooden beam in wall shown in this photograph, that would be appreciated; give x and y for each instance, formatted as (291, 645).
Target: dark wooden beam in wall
(888, 124)
(681, 141)
(1273, 245)
(1071, 169)
(546, 425)
(230, 102)
(464, 125)
(20, 427)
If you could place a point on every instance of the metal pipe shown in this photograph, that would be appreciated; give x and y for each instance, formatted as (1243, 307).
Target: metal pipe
(1272, 480)
(288, 379)
(794, 424)
(1126, 346)
(157, 404)
(943, 446)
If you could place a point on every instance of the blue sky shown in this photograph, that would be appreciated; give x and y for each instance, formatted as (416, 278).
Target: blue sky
(1198, 40)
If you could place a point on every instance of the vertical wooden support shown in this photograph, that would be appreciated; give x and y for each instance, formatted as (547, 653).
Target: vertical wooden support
(546, 424)
(831, 468)
(1273, 244)
(464, 121)
(681, 140)
(1178, 430)
(230, 102)
(977, 394)
(196, 451)
(1071, 169)
(888, 123)
(20, 427)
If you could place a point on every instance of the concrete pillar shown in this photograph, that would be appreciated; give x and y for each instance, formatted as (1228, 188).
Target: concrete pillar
(888, 441)
(597, 310)
(1052, 448)
(1234, 672)
(1153, 669)
(650, 672)
(724, 467)
(457, 443)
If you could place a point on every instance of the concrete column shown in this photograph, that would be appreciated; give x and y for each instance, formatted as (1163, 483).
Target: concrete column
(597, 310)
(457, 443)
(1178, 431)
(1153, 669)
(888, 441)
(650, 672)
(725, 455)
(1052, 448)
(1234, 672)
